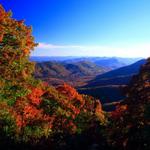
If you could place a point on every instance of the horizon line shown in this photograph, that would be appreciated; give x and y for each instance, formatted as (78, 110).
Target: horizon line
(85, 56)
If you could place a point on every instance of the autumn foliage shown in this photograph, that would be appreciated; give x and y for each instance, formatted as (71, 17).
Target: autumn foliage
(32, 112)
(29, 109)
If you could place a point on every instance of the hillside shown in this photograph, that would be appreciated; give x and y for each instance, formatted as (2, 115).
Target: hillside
(118, 76)
(77, 71)
(109, 86)
(88, 77)
(112, 63)
(74, 73)
(108, 62)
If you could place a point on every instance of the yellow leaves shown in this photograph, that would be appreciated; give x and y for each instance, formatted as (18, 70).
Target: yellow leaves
(1, 83)
(26, 51)
(123, 107)
(24, 74)
(147, 84)
(98, 110)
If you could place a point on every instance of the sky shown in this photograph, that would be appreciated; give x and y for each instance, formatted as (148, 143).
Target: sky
(86, 27)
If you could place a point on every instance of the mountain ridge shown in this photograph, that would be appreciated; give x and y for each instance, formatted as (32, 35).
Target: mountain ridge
(110, 86)
(122, 72)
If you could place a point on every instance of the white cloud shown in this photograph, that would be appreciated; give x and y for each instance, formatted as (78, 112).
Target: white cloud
(52, 46)
(124, 50)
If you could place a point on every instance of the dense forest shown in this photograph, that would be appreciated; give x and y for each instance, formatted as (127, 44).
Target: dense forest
(34, 115)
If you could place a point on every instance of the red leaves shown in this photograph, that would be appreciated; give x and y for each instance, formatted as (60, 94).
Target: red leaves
(26, 113)
(30, 115)
(1, 37)
(98, 110)
(73, 101)
(2, 13)
(31, 112)
(35, 95)
(19, 36)
(71, 94)
(28, 110)
(72, 126)
(19, 121)
(120, 109)
(20, 22)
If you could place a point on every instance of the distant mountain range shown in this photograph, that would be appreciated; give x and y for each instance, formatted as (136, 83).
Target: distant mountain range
(75, 73)
(108, 86)
(109, 62)
(101, 77)
(118, 76)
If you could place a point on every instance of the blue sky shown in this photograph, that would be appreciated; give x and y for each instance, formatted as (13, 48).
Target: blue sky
(86, 27)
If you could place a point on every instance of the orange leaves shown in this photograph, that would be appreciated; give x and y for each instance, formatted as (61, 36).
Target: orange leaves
(35, 95)
(16, 43)
(98, 110)
(20, 23)
(29, 115)
(18, 35)
(31, 112)
(19, 121)
(147, 84)
(76, 103)
(26, 110)
(26, 51)
(24, 74)
(119, 111)
(1, 37)
(2, 13)
(70, 93)
(73, 101)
